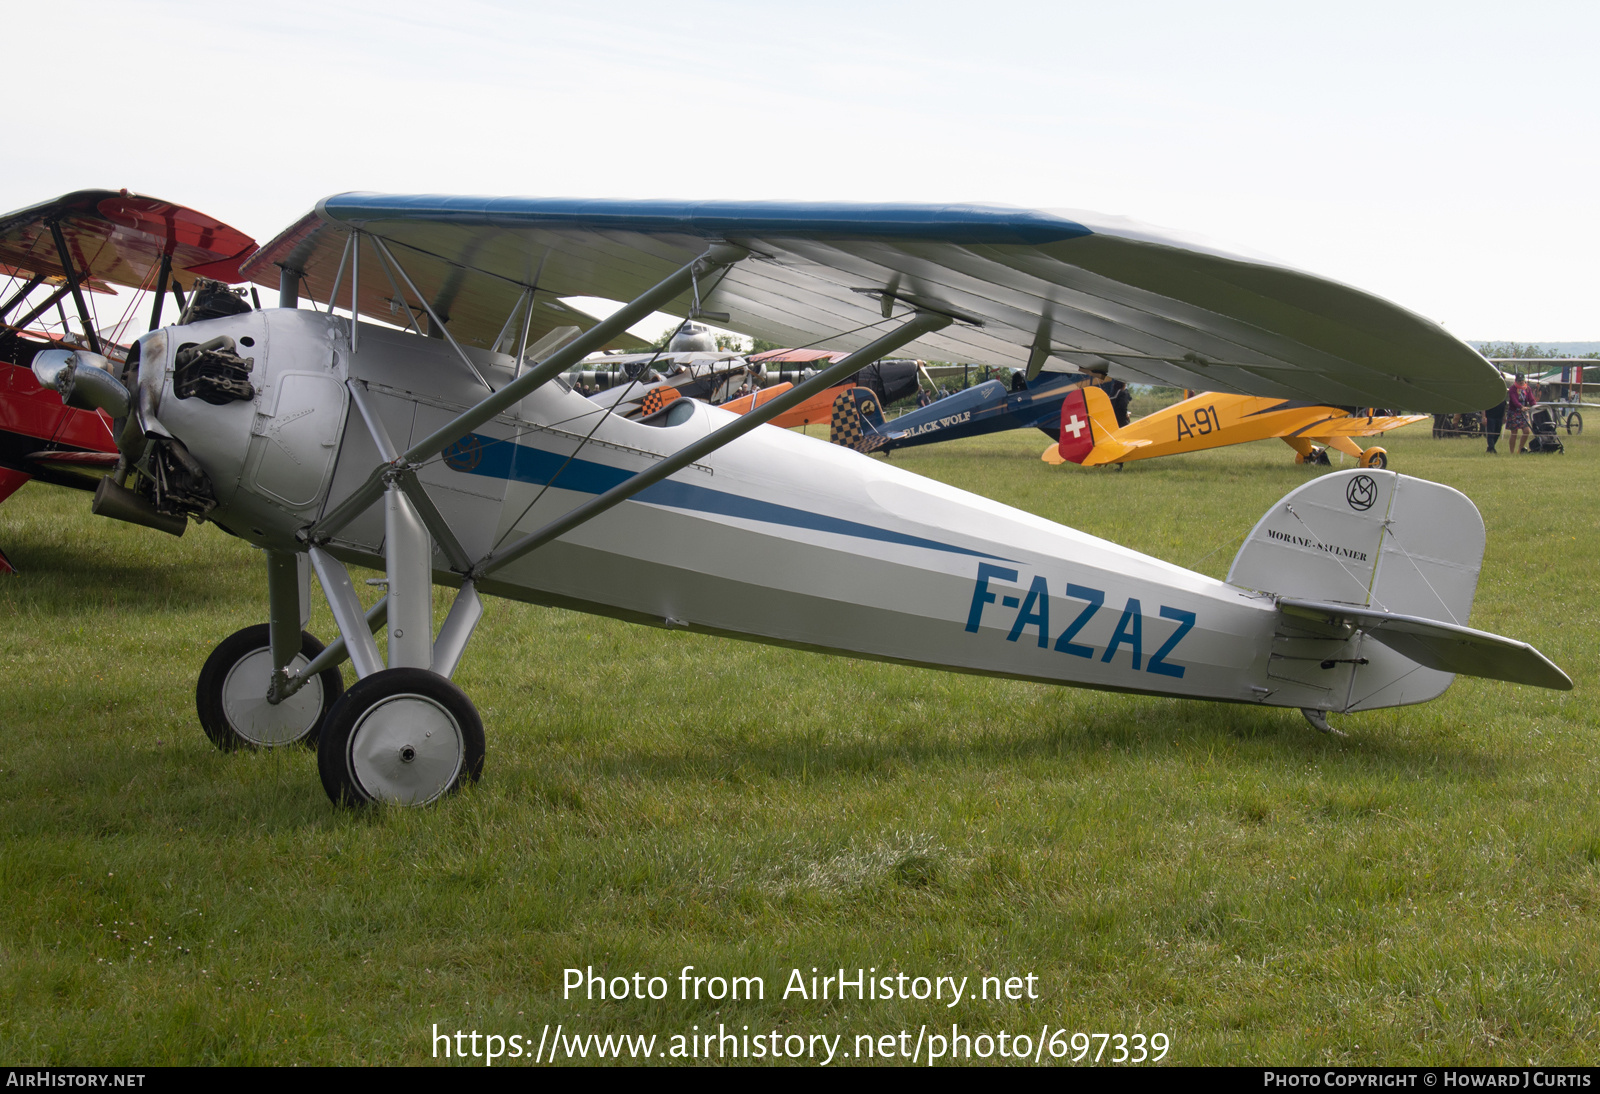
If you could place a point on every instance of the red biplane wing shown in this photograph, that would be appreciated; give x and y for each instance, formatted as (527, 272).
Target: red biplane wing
(117, 238)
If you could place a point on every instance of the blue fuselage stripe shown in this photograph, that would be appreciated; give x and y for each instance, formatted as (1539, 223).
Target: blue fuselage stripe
(477, 454)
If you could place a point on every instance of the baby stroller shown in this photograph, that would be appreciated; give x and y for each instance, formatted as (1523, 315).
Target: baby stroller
(1544, 437)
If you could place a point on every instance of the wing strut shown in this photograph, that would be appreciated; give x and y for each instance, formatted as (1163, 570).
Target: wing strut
(719, 255)
(33, 283)
(910, 331)
(405, 477)
(163, 275)
(434, 322)
(72, 283)
(50, 301)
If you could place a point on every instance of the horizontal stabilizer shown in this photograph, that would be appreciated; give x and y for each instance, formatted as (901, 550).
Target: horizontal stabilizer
(1435, 645)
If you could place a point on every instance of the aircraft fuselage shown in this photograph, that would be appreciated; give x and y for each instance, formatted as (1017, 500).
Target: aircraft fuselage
(776, 537)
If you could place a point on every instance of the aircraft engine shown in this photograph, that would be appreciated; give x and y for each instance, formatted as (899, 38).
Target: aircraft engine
(212, 371)
(213, 426)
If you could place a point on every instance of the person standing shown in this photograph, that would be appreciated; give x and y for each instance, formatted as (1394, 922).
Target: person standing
(1520, 401)
(1120, 396)
(1097, 375)
(1493, 420)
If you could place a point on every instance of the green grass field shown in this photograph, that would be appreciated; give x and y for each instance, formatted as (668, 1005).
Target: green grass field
(1427, 890)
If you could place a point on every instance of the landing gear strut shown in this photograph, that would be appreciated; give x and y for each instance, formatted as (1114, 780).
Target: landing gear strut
(403, 734)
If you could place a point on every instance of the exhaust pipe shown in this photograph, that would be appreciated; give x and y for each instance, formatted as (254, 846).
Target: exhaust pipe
(82, 380)
(120, 503)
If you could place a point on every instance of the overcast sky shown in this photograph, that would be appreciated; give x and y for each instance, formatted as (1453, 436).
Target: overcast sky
(1443, 155)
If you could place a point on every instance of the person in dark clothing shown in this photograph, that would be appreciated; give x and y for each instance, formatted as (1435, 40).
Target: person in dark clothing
(1494, 419)
(1120, 395)
(1118, 392)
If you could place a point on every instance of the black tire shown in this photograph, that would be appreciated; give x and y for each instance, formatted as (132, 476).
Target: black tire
(231, 694)
(380, 743)
(1574, 423)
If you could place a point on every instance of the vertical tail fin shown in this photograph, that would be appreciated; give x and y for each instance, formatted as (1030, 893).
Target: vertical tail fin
(1374, 574)
(657, 398)
(1370, 538)
(1088, 423)
(857, 420)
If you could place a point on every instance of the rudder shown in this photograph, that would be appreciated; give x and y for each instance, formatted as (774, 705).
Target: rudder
(1390, 547)
(1372, 538)
(1089, 428)
(857, 420)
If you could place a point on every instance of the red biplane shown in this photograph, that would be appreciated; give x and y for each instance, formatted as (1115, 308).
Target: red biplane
(62, 259)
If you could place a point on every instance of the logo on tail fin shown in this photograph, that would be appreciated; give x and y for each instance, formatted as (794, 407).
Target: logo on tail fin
(1361, 493)
(1077, 431)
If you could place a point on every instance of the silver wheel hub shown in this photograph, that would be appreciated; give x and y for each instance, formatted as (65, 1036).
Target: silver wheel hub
(406, 749)
(268, 725)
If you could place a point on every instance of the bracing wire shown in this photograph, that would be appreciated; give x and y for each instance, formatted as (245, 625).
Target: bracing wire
(602, 417)
(607, 412)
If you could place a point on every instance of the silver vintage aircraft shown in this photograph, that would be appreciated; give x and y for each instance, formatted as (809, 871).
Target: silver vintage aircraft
(445, 449)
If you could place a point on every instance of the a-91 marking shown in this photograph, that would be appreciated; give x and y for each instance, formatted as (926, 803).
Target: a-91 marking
(1033, 614)
(1205, 420)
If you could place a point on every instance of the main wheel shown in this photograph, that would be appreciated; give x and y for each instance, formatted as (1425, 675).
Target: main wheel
(231, 694)
(1375, 457)
(1574, 423)
(405, 736)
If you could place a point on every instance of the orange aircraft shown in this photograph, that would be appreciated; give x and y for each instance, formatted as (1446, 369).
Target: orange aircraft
(889, 379)
(1090, 435)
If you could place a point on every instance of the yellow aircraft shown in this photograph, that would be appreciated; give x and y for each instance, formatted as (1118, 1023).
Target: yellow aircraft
(1090, 435)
